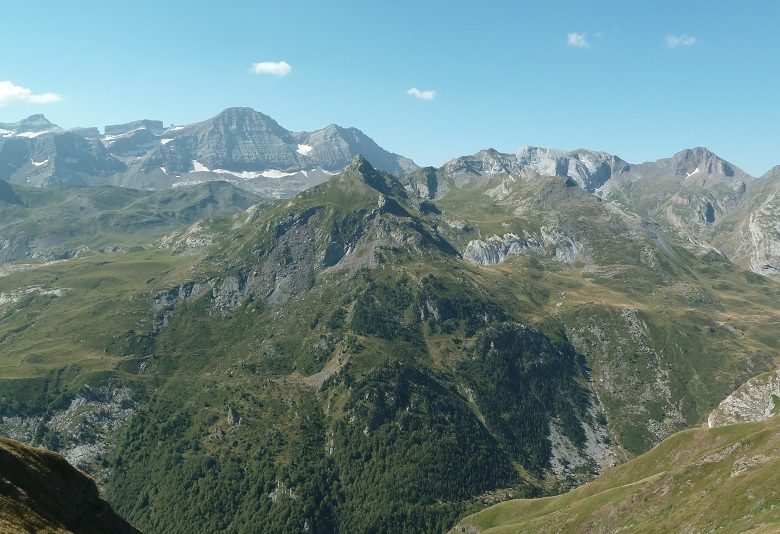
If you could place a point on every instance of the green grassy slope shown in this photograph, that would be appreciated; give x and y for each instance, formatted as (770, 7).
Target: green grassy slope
(41, 492)
(58, 222)
(81, 313)
(698, 480)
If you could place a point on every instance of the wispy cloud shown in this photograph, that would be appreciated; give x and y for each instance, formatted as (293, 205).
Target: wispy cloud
(422, 95)
(10, 93)
(673, 41)
(577, 40)
(274, 68)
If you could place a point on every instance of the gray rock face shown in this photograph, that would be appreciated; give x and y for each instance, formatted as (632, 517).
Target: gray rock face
(334, 147)
(590, 170)
(244, 140)
(84, 431)
(238, 139)
(692, 193)
(598, 451)
(135, 143)
(233, 418)
(56, 158)
(239, 145)
(495, 249)
(764, 228)
(755, 400)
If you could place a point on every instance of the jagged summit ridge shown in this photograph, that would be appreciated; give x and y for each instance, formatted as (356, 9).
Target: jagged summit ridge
(239, 144)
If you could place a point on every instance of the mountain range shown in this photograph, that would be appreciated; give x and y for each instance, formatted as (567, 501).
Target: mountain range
(386, 348)
(709, 200)
(239, 145)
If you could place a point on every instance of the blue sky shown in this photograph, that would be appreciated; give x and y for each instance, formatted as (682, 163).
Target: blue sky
(637, 79)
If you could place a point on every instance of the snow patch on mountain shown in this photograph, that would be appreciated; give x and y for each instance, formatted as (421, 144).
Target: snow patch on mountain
(251, 175)
(689, 174)
(276, 174)
(32, 135)
(199, 167)
(304, 149)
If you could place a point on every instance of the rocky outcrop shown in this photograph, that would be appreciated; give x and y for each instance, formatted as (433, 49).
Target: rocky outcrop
(588, 169)
(84, 431)
(495, 249)
(764, 228)
(233, 417)
(165, 303)
(755, 400)
(191, 240)
(595, 455)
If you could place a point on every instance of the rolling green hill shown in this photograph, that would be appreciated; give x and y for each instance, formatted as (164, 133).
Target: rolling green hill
(698, 480)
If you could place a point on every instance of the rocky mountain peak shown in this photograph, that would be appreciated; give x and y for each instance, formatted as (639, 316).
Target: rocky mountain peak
(701, 160)
(772, 174)
(38, 120)
(243, 118)
(360, 170)
(359, 164)
(33, 123)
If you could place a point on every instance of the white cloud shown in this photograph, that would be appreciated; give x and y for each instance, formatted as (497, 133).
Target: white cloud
(274, 68)
(673, 41)
(577, 40)
(11, 93)
(422, 95)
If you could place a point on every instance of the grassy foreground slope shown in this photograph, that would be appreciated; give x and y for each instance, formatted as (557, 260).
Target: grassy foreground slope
(697, 480)
(41, 492)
